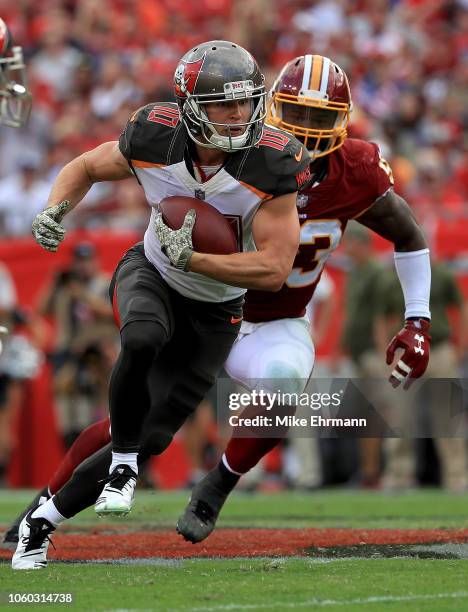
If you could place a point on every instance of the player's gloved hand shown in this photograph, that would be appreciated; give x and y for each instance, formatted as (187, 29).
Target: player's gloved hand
(177, 244)
(47, 229)
(415, 341)
(3, 332)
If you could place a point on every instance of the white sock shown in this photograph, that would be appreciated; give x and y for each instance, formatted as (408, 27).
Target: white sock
(48, 511)
(129, 459)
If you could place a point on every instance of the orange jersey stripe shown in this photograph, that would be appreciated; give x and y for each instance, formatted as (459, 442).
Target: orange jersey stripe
(262, 195)
(143, 164)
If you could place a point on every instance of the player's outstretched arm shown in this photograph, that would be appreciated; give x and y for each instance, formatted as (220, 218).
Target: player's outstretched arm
(104, 163)
(392, 218)
(276, 233)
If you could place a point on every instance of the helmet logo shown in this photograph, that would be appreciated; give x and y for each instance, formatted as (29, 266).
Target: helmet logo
(186, 77)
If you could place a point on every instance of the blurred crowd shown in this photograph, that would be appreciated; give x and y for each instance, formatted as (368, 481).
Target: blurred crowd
(92, 62)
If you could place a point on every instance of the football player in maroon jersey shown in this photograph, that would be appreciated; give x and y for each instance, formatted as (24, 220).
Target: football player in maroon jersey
(350, 180)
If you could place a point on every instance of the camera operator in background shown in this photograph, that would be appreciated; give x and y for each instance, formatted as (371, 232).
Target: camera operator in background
(85, 340)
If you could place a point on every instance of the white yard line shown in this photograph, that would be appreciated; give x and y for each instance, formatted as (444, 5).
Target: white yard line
(310, 602)
(331, 602)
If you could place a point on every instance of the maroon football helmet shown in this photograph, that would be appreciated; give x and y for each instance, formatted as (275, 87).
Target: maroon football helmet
(15, 99)
(311, 99)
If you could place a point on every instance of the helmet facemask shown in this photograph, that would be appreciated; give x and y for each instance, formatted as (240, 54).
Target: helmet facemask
(317, 122)
(228, 137)
(15, 99)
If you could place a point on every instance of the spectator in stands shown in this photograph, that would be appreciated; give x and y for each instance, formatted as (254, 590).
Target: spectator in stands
(86, 339)
(56, 61)
(22, 196)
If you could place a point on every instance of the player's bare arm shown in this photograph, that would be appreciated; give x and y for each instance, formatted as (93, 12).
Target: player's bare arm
(104, 163)
(392, 218)
(276, 232)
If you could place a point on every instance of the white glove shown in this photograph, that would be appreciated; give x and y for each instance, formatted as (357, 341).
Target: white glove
(177, 244)
(46, 227)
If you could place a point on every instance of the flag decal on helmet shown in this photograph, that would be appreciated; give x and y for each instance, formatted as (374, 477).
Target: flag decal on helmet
(186, 76)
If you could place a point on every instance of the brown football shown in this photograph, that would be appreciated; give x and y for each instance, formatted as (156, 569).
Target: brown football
(213, 233)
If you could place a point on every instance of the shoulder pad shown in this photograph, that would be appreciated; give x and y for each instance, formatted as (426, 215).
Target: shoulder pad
(279, 164)
(360, 152)
(149, 132)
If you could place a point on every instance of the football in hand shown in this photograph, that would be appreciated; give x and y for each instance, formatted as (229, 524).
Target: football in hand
(213, 233)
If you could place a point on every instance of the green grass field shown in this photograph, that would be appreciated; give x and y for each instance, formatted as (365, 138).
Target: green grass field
(360, 577)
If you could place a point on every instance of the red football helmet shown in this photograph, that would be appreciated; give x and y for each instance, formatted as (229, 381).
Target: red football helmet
(15, 99)
(311, 99)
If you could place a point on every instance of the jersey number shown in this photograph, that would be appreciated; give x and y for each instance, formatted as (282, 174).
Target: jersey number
(235, 221)
(164, 114)
(317, 241)
(274, 139)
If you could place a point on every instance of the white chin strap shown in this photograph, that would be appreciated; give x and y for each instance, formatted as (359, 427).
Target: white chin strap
(225, 142)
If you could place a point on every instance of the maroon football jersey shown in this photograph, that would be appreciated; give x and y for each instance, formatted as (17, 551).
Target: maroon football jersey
(356, 177)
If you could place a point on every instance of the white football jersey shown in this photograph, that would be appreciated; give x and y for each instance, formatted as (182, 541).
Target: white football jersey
(156, 145)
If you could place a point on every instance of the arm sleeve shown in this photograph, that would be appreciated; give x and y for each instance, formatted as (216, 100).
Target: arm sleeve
(414, 271)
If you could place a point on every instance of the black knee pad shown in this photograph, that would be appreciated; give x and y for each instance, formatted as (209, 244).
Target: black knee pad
(143, 338)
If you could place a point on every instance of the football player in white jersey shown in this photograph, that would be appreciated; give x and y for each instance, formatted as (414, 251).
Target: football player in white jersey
(179, 309)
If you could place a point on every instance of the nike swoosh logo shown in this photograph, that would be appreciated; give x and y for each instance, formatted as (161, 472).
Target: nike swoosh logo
(298, 156)
(235, 320)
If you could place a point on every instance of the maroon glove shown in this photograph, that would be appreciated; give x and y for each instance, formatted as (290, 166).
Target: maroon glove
(415, 341)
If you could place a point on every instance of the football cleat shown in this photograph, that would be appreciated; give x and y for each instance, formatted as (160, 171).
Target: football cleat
(199, 517)
(117, 496)
(10, 538)
(33, 542)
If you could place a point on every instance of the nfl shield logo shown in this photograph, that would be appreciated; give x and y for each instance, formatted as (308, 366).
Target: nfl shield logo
(301, 201)
(199, 194)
